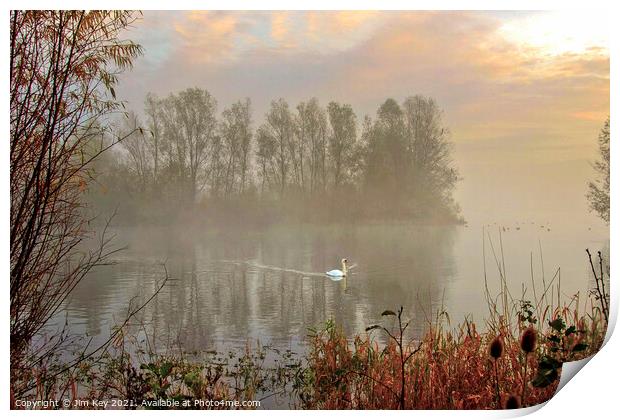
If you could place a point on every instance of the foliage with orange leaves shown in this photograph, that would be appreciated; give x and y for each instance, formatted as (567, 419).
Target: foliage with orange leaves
(64, 66)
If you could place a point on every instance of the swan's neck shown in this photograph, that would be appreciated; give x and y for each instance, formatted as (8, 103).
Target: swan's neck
(344, 268)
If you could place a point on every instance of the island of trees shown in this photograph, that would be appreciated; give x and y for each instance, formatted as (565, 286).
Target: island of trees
(308, 162)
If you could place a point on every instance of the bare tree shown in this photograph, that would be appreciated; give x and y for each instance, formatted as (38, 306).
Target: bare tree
(311, 129)
(598, 190)
(190, 126)
(342, 140)
(64, 66)
(266, 150)
(278, 131)
(139, 162)
(154, 127)
(236, 135)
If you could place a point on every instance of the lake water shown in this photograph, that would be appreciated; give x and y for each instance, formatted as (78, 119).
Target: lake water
(232, 286)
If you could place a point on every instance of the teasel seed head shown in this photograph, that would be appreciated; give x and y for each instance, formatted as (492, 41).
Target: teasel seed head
(496, 348)
(512, 402)
(528, 340)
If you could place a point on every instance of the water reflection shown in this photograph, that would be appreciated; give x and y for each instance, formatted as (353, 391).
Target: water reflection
(229, 287)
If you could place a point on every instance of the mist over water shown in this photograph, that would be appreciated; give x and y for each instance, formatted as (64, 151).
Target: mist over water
(230, 286)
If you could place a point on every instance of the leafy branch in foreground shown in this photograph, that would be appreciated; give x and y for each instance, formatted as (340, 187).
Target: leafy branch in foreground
(64, 66)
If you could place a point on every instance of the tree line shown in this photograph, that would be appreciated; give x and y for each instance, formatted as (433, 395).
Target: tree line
(182, 151)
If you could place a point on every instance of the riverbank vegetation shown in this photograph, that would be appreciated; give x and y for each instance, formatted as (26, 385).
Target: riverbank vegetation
(513, 361)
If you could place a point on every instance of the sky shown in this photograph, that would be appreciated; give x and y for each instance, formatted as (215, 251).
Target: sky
(524, 94)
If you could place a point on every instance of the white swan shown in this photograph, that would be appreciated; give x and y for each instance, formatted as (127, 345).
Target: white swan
(339, 273)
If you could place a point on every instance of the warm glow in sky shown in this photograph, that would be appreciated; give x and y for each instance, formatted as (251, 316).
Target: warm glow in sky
(558, 32)
(524, 93)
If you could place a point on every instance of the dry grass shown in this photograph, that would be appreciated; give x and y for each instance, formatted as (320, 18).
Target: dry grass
(445, 370)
